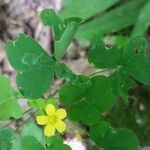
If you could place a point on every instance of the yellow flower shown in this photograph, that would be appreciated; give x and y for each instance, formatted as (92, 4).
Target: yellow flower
(52, 120)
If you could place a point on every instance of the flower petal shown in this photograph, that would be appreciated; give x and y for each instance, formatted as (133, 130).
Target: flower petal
(42, 120)
(49, 130)
(50, 109)
(61, 113)
(60, 126)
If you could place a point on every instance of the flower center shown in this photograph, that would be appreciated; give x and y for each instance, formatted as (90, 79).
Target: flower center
(52, 119)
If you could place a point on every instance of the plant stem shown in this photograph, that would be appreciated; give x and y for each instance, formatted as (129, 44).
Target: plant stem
(98, 72)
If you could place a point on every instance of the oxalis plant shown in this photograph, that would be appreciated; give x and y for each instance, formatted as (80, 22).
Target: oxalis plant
(84, 98)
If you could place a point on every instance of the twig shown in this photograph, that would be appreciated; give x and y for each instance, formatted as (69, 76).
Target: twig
(55, 92)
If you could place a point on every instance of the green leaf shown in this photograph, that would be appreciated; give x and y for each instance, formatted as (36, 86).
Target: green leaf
(61, 45)
(136, 63)
(63, 31)
(6, 138)
(122, 139)
(99, 131)
(97, 98)
(30, 142)
(128, 63)
(56, 143)
(70, 94)
(49, 18)
(109, 139)
(111, 21)
(88, 113)
(100, 93)
(35, 68)
(84, 8)
(143, 21)
(121, 84)
(8, 104)
(101, 57)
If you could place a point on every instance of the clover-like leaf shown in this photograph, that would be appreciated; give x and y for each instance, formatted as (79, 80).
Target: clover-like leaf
(121, 83)
(121, 139)
(50, 18)
(102, 57)
(90, 102)
(109, 139)
(35, 68)
(136, 63)
(129, 63)
(9, 106)
(63, 30)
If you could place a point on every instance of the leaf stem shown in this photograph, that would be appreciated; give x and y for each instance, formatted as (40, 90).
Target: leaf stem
(98, 72)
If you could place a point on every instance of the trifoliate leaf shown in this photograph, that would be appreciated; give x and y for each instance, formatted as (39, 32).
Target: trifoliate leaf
(121, 139)
(49, 18)
(109, 139)
(136, 63)
(63, 30)
(129, 62)
(101, 57)
(56, 143)
(90, 101)
(8, 104)
(100, 94)
(88, 113)
(35, 68)
(121, 84)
